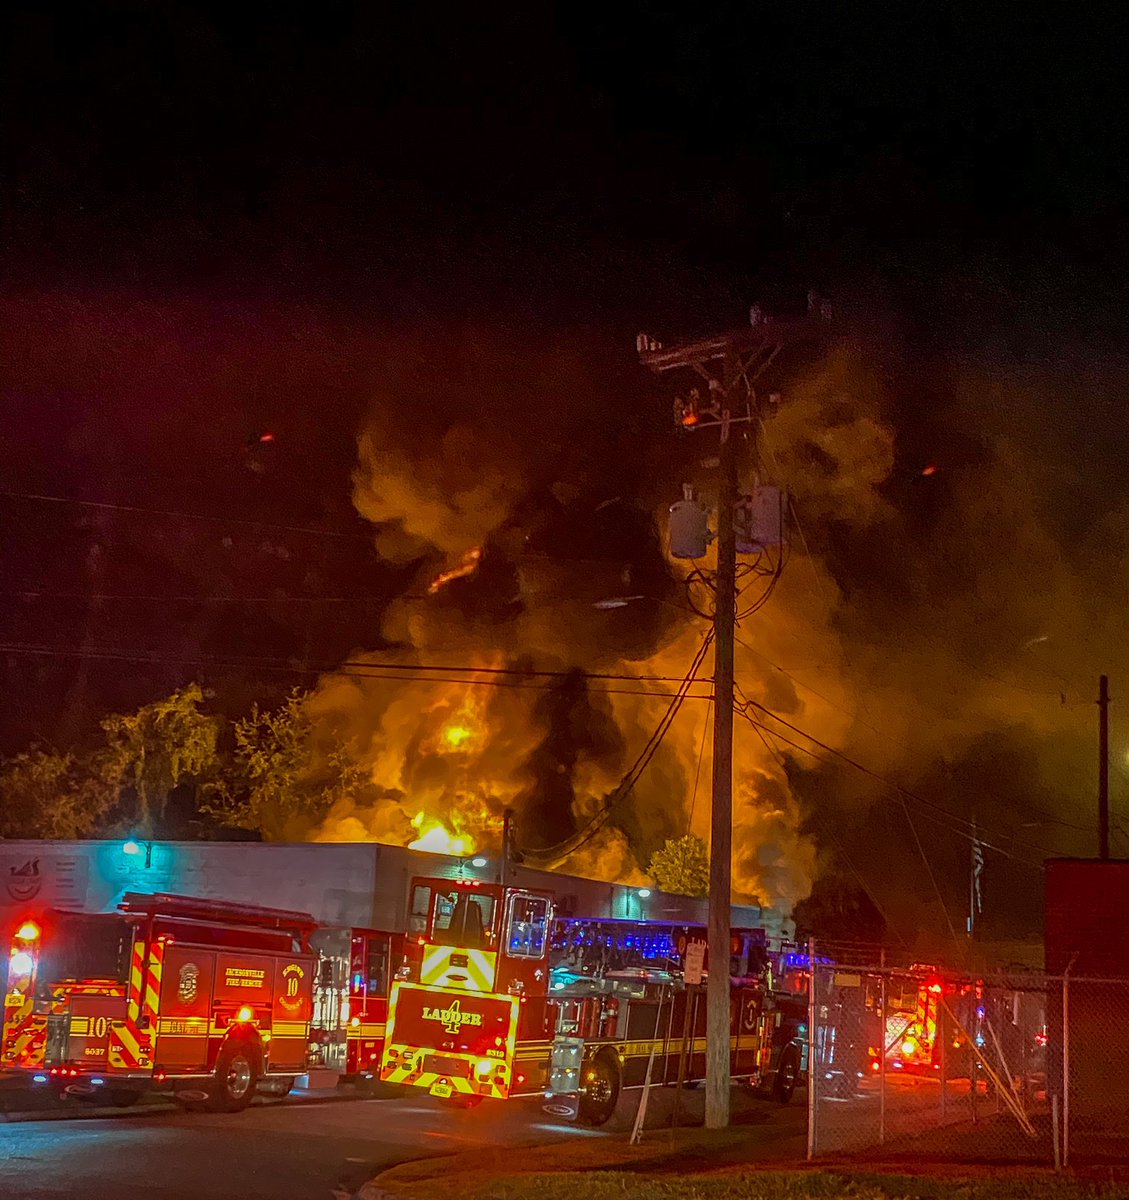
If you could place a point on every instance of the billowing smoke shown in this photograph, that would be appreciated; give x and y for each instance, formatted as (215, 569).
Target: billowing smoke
(563, 581)
(922, 627)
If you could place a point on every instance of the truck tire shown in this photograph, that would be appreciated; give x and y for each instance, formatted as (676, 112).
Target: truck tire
(599, 1094)
(236, 1074)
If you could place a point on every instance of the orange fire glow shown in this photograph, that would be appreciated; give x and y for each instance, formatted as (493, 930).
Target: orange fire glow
(435, 837)
(467, 565)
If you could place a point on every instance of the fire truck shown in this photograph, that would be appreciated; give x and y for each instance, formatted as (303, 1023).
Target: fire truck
(208, 1001)
(354, 976)
(497, 998)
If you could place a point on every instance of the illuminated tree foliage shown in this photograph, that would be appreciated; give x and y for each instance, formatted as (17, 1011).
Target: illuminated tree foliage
(286, 773)
(682, 867)
(44, 794)
(162, 746)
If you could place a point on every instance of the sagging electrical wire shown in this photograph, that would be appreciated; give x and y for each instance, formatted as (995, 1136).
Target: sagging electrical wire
(581, 838)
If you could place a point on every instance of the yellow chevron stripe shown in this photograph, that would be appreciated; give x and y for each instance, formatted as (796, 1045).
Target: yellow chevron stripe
(477, 975)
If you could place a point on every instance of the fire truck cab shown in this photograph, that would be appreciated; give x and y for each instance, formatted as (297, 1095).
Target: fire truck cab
(205, 1000)
(498, 998)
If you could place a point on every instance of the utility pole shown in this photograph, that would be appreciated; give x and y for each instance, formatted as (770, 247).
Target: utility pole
(507, 846)
(729, 364)
(1103, 767)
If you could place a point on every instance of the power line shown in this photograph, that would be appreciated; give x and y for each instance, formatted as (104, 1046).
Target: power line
(107, 506)
(826, 827)
(463, 669)
(118, 597)
(874, 728)
(953, 822)
(929, 870)
(353, 671)
(577, 840)
(872, 773)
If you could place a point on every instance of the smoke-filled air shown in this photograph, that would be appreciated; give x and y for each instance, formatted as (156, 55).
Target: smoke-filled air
(917, 630)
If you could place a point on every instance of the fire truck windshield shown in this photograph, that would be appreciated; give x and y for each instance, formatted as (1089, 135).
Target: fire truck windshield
(528, 926)
(463, 918)
(85, 947)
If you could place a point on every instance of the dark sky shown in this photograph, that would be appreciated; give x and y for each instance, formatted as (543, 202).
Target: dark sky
(390, 155)
(219, 220)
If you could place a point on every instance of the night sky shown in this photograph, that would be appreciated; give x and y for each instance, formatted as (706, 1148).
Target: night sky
(223, 221)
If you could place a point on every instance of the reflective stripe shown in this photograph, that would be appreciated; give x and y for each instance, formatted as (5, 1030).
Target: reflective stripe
(473, 973)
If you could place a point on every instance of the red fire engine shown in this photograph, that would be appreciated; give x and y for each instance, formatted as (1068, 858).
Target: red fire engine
(497, 999)
(355, 970)
(206, 1000)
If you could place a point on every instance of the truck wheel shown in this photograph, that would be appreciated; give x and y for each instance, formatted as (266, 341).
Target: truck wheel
(600, 1092)
(785, 1084)
(237, 1072)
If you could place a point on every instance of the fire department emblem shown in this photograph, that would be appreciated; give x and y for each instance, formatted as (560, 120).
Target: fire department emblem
(189, 983)
(290, 995)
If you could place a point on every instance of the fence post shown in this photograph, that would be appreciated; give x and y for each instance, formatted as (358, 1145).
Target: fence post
(882, 1049)
(1066, 1065)
(812, 1049)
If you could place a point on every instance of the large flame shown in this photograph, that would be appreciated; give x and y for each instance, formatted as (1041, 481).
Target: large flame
(435, 837)
(448, 755)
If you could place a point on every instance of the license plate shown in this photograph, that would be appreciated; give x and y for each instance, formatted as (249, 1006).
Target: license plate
(442, 1090)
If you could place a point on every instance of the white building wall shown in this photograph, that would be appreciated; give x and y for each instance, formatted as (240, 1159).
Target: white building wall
(359, 884)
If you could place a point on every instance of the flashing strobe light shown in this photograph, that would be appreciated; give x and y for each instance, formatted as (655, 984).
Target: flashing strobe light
(131, 847)
(21, 964)
(485, 1066)
(246, 1013)
(27, 932)
(909, 1047)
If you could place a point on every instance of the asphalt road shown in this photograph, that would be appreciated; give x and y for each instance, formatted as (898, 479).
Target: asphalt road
(297, 1150)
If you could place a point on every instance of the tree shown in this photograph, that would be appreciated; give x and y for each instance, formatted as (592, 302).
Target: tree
(288, 772)
(682, 867)
(44, 794)
(162, 746)
(838, 910)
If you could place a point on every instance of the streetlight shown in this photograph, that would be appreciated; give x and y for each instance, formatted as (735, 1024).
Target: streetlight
(134, 848)
(479, 862)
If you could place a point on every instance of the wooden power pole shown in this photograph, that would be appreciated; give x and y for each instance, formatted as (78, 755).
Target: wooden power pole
(729, 364)
(1103, 767)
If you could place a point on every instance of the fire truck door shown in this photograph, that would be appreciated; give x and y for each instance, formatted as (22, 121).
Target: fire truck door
(185, 1010)
(291, 1012)
(91, 1022)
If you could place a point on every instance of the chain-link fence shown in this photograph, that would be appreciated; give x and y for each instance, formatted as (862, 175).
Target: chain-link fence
(925, 1063)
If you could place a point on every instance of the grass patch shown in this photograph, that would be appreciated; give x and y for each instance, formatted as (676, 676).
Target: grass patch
(790, 1185)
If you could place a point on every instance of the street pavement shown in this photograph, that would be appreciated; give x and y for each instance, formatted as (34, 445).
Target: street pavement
(293, 1150)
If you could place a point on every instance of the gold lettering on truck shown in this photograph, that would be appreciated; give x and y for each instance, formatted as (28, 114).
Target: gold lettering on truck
(248, 977)
(452, 1018)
